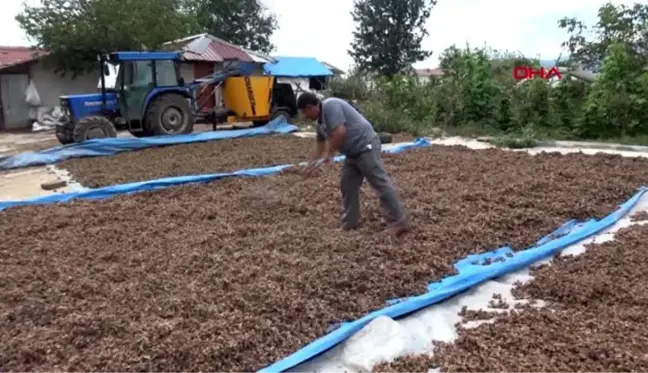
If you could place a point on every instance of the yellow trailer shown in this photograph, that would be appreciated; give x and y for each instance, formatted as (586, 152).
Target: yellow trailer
(257, 99)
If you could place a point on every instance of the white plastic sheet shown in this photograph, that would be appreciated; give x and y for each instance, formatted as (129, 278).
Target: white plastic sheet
(31, 95)
(46, 118)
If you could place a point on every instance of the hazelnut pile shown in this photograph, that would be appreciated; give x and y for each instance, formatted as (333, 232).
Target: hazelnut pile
(239, 273)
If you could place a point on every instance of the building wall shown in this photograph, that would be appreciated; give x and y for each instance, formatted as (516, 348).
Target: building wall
(187, 72)
(15, 111)
(299, 85)
(50, 86)
(427, 78)
(201, 69)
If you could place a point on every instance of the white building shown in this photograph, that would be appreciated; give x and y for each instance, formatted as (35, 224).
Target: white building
(424, 75)
(304, 74)
(19, 66)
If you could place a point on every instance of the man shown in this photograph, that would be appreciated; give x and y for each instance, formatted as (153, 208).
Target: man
(341, 128)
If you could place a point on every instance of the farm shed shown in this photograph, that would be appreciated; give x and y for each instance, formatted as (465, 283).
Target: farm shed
(204, 54)
(336, 71)
(303, 73)
(425, 75)
(19, 66)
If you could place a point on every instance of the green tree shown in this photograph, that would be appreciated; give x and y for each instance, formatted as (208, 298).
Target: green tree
(247, 23)
(75, 31)
(388, 34)
(616, 24)
(617, 105)
(616, 47)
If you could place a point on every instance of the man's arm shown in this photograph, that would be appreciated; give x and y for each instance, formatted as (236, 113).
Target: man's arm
(334, 117)
(320, 148)
(337, 140)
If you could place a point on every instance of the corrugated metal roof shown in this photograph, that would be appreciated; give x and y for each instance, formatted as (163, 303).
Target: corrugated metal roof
(229, 51)
(259, 57)
(334, 69)
(297, 66)
(10, 56)
(205, 47)
(209, 54)
(429, 72)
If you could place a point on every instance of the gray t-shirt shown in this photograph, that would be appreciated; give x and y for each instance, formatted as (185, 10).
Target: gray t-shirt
(336, 112)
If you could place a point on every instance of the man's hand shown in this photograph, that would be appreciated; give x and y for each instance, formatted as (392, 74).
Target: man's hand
(317, 165)
(314, 165)
(328, 160)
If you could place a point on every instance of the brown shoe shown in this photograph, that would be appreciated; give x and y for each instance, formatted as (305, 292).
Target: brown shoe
(398, 230)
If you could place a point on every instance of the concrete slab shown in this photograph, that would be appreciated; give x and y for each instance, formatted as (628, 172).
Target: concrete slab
(580, 145)
(308, 135)
(9, 139)
(26, 183)
(12, 143)
(563, 147)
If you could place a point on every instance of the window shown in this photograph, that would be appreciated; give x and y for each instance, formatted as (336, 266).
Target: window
(116, 84)
(136, 73)
(316, 83)
(143, 73)
(165, 73)
(125, 75)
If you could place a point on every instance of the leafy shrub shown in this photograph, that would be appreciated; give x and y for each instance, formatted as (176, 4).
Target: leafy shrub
(477, 92)
(353, 88)
(617, 105)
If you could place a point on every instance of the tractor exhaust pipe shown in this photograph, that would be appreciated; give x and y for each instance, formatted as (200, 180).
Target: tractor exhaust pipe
(102, 69)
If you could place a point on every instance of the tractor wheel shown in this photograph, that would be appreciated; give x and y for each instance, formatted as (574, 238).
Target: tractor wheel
(169, 115)
(93, 127)
(385, 138)
(259, 123)
(279, 113)
(64, 134)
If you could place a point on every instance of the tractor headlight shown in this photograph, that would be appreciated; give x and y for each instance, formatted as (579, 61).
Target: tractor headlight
(65, 107)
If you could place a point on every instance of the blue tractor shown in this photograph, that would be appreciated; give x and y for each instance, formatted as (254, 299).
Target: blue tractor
(149, 98)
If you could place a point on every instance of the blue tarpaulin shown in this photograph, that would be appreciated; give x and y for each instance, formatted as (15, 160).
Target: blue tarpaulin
(111, 146)
(296, 67)
(114, 190)
(471, 271)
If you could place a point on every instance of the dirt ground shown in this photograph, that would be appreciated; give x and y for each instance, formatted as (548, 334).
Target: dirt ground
(193, 159)
(189, 159)
(595, 319)
(236, 274)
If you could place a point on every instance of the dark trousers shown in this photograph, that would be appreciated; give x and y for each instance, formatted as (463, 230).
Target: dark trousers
(368, 165)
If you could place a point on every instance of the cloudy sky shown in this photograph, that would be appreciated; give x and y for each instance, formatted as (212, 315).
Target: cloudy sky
(322, 28)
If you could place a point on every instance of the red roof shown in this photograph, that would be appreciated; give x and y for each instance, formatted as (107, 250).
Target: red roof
(229, 51)
(429, 72)
(205, 47)
(217, 52)
(10, 56)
